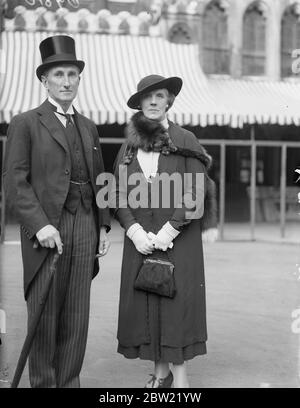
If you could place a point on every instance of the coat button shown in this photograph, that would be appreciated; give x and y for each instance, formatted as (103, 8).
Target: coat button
(67, 171)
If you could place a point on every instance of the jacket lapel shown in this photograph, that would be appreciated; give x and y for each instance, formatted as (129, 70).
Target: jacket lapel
(47, 117)
(86, 142)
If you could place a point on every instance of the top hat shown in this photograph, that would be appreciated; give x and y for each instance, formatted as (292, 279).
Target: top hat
(151, 82)
(57, 50)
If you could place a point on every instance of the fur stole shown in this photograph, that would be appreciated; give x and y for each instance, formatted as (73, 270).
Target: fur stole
(150, 135)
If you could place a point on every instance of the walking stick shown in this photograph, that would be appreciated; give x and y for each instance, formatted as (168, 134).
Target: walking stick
(34, 324)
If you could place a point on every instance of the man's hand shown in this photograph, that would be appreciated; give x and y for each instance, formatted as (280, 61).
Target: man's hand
(49, 237)
(104, 243)
(210, 235)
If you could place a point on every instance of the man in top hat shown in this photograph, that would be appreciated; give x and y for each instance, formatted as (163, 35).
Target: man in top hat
(52, 161)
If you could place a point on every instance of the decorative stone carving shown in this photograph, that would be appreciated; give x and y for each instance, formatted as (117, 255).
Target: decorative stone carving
(145, 19)
(83, 17)
(156, 11)
(183, 6)
(295, 6)
(82, 20)
(19, 19)
(41, 22)
(259, 6)
(223, 5)
(61, 22)
(103, 16)
(124, 27)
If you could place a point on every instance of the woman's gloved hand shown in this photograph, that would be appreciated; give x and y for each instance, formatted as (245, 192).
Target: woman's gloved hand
(164, 238)
(139, 237)
(152, 237)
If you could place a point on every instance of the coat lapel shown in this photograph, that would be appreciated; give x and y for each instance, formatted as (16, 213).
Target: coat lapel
(47, 117)
(86, 141)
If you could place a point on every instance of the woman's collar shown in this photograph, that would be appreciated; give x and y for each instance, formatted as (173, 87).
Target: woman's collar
(165, 123)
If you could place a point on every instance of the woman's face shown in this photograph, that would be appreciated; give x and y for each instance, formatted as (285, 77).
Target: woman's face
(154, 104)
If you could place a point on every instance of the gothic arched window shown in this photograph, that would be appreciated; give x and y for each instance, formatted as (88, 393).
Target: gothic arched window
(290, 40)
(215, 39)
(254, 40)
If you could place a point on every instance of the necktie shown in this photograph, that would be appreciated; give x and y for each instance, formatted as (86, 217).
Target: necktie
(69, 129)
(69, 119)
(68, 116)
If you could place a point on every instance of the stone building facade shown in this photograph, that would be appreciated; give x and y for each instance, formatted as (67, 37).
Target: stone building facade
(237, 38)
(252, 38)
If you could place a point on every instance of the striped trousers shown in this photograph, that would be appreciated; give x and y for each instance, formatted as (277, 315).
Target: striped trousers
(57, 353)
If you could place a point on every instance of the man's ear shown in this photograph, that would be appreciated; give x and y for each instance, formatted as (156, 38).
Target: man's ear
(44, 81)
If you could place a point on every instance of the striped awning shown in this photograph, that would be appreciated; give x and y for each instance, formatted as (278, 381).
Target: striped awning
(114, 66)
(116, 63)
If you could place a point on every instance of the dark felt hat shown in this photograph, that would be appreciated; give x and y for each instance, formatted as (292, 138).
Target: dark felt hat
(151, 82)
(57, 50)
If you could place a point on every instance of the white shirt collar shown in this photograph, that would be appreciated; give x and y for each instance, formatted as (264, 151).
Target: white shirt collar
(59, 108)
(165, 123)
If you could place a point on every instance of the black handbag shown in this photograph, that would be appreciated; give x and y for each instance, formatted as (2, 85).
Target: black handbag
(156, 275)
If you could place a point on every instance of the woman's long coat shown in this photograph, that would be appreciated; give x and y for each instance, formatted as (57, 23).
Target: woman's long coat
(183, 318)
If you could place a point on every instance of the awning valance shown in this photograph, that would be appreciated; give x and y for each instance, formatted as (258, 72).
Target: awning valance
(115, 64)
(260, 101)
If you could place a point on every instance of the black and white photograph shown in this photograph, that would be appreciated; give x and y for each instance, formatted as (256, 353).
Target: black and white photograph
(150, 197)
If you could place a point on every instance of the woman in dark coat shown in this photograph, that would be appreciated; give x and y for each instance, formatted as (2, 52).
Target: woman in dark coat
(152, 327)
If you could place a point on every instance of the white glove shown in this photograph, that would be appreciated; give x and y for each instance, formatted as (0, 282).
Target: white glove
(165, 236)
(210, 235)
(139, 237)
(152, 237)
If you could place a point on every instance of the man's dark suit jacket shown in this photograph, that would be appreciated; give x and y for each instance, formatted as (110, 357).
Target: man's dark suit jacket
(37, 170)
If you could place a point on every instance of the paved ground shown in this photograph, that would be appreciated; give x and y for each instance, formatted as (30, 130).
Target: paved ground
(252, 290)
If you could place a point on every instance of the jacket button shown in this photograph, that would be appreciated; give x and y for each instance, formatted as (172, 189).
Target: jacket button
(67, 171)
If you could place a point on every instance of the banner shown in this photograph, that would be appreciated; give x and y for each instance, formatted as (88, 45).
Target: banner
(52, 5)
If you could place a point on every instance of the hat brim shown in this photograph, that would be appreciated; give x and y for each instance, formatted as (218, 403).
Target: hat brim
(44, 67)
(172, 84)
